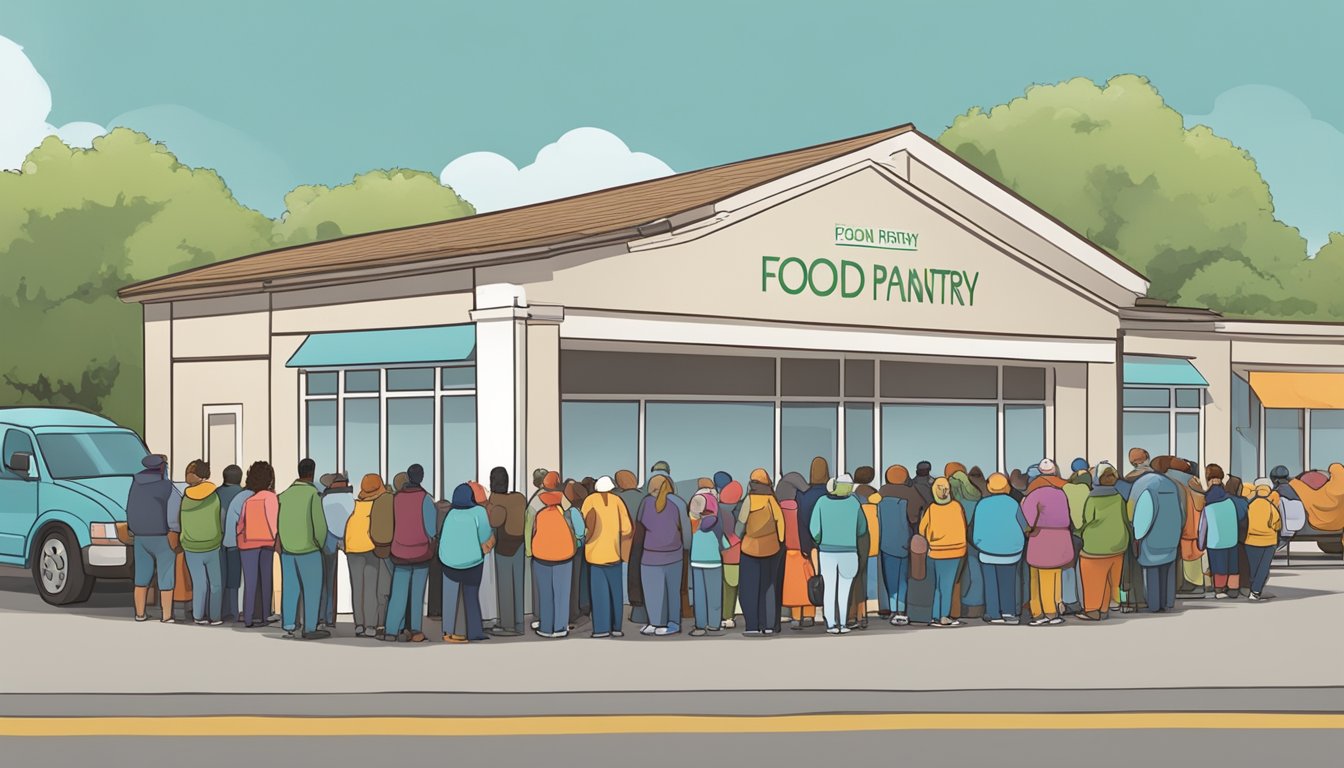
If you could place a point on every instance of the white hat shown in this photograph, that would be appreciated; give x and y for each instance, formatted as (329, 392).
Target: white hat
(833, 487)
(1047, 467)
(604, 484)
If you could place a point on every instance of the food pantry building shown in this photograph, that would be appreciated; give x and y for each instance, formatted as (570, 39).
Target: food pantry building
(872, 300)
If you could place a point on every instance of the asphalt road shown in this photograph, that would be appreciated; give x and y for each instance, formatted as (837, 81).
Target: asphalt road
(1039, 749)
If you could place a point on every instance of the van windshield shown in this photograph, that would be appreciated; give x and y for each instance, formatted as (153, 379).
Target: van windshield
(95, 454)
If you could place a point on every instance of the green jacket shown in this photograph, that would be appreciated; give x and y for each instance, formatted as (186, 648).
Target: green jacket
(1077, 493)
(202, 529)
(303, 526)
(1103, 526)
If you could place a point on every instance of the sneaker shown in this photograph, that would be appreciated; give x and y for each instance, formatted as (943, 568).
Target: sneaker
(456, 639)
(217, 623)
(648, 629)
(600, 635)
(796, 625)
(418, 637)
(289, 634)
(832, 630)
(536, 625)
(845, 630)
(938, 624)
(359, 631)
(1039, 622)
(202, 622)
(713, 629)
(1011, 621)
(617, 633)
(752, 633)
(1085, 616)
(729, 624)
(1233, 594)
(1057, 620)
(665, 631)
(319, 634)
(900, 619)
(142, 617)
(954, 623)
(697, 632)
(768, 631)
(1220, 596)
(999, 620)
(809, 623)
(386, 638)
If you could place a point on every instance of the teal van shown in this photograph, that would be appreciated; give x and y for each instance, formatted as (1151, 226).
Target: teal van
(64, 478)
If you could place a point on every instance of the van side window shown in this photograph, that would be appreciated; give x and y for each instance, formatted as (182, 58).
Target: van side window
(16, 441)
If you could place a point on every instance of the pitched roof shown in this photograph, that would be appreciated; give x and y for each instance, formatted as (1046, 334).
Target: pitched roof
(554, 222)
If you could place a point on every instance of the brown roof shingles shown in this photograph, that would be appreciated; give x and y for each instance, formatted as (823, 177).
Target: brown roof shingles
(549, 223)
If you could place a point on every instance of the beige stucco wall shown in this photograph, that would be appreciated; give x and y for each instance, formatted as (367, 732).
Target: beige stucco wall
(285, 438)
(430, 299)
(1070, 411)
(1102, 406)
(158, 339)
(200, 383)
(721, 273)
(1288, 352)
(543, 400)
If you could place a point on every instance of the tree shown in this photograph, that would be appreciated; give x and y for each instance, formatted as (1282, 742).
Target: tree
(77, 225)
(1183, 206)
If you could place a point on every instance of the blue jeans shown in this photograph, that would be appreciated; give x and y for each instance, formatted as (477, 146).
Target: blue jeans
(1159, 587)
(554, 580)
(944, 585)
(1000, 590)
(608, 598)
(152, 553)
(973, 589)
(232, 562)
(406, 605)
(300, 577)
(838, 570)
(1260, 558)
(895, 581)
(258, 573)
(465, 582)
(707, 586)
(327, 610)
(207, 584)
(662, 593)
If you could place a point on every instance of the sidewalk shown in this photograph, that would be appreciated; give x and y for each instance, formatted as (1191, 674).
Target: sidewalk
(1291, 642)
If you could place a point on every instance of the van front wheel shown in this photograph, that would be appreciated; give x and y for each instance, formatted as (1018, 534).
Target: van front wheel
(58, 568)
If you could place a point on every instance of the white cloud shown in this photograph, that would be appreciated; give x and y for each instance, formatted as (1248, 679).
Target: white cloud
(582, 160)
(1301, 158)
(27, 103)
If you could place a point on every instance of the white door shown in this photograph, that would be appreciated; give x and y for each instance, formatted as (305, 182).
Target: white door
(223, 437)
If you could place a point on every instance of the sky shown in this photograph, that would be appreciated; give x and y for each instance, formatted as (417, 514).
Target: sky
(512, 102)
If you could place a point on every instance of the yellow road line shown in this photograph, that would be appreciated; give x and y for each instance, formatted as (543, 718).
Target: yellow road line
(599, 725)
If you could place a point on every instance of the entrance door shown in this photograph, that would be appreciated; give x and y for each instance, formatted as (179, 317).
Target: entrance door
(223, 435)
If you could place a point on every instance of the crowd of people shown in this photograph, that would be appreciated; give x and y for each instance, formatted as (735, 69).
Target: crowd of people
(1030, 547)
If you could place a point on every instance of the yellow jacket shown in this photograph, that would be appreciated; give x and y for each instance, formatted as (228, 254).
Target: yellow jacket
(1263, 521)
(944, 526)
(357, 538)
(763, 534)
(607, 522)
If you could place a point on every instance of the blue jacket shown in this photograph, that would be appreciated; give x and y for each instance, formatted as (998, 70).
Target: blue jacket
(999, 531)
(893, 526)
(837, 523)
(154, 504)
(1158, 519)
(806, 501)
(1220, 523)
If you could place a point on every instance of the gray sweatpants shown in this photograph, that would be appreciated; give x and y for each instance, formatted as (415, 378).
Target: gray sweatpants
(509, 584)
(370, 584)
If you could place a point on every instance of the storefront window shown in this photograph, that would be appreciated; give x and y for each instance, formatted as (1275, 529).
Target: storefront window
(1150, 431)
(1327, 438)
(599, 438)
(1187, 436)
(1024, 436)
(457, 431)
(806, 430)
(1163, 420)
(363, 381)
(1283, 439)
(699, 439)
(859, 437)
(322, 434)
(1245, 430)
(940, 434)
(363, 445)
(410, 436)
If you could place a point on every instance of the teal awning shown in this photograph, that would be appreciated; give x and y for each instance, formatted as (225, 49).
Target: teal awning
(1162, 372)
(401, 346)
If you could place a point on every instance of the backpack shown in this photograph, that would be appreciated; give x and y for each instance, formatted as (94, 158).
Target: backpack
(549, 542)
(256, 525)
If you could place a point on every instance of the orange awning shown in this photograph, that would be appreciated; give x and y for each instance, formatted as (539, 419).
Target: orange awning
(1278, 389)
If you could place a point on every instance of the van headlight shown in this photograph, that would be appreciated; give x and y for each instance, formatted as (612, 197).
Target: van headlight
(103, 533)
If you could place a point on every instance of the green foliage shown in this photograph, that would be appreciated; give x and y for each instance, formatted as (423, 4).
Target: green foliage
(76, 225)
(1183, 206)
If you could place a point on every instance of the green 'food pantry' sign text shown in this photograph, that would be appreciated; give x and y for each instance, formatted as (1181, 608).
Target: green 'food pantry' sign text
(849, 280)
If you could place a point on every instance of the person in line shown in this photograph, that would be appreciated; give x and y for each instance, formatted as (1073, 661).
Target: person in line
(555, 540)
(1155, 507)
(837, 525)
(730, 506)
(608, 533)
(153, 518)
(1219, 529)
(1241, 497)
(1264, 524)
(257, 527)
(1291, 509)
(999, 536)
(627, 487)
(202, 535)
(1191, 578)
(1105, 537)
(546, 482)
(900, 508)
(231, 563)
(797, 569)
(414, 517)
(864, 586)
(1078, 487)
(367, 570)
(972, 579)
(707, 545)
(760, 525)
(944, 527)
(580, 591)
(508, 515)
(338, 503)
(1049, 543)
(923, 481)
(465, 539)
(303, 532)
(1131, 573)
(382, 524)
(661, 564)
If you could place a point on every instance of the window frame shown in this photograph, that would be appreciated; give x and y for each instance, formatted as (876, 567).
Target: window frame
(1172, 410)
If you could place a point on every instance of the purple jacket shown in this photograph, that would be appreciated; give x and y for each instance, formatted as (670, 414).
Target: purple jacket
(1046, 509)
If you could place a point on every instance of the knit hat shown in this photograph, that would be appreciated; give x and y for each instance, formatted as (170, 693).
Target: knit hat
(897, 475)
(952, 468)
(840, 486)
(1047, 467)
(998, 483)
(155, 461)
(660, 466)
(1078, 465)
(1104, 467)
(722, 479)
(760, 476)
(731, 493)
(371, 487)
(551, 481)
(1279, 473)
(604, 484)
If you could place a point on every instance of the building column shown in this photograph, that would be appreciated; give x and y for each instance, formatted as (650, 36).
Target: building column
(158, 341)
